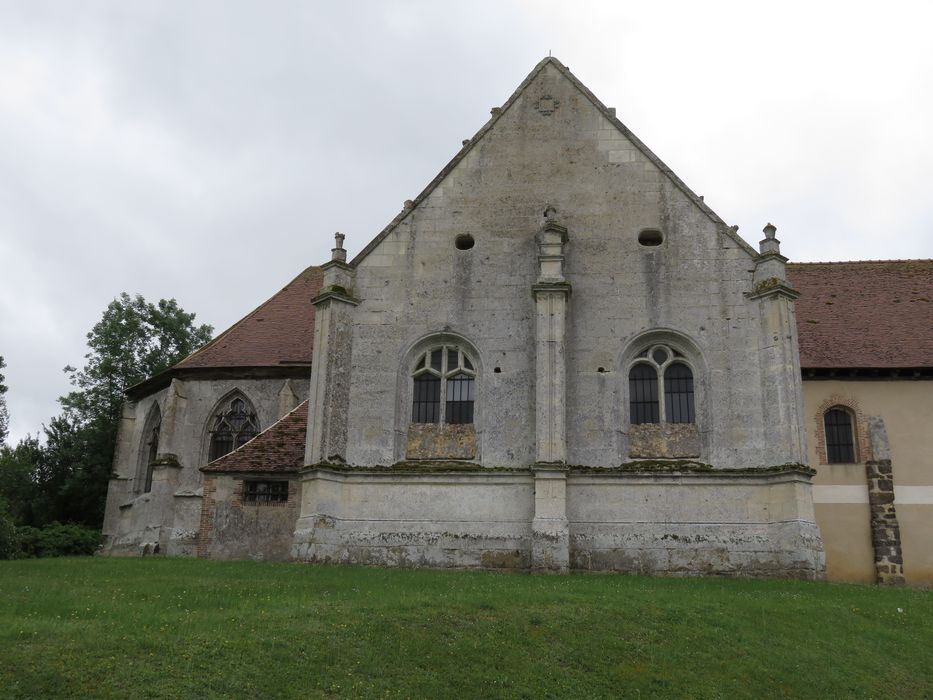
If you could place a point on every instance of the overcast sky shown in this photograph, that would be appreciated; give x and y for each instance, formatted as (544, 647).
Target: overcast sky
(207, 151)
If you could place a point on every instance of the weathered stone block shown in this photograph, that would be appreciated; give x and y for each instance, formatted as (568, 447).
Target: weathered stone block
(664, 441)
(433, 441)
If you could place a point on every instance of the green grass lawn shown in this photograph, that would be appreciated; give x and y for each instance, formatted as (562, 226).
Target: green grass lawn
(172, 628)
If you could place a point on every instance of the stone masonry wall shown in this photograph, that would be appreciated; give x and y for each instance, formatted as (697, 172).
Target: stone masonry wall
(885, 530)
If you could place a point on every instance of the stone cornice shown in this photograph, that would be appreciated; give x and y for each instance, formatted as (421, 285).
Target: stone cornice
(335, 293)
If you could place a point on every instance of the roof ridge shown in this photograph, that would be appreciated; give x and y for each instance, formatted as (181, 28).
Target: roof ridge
(860, 262)
(498, 112)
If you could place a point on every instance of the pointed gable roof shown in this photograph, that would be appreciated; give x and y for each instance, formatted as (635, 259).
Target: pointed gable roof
(873, 314)
(605, 111)
(278, 448)
(279, 334)
(280, 331)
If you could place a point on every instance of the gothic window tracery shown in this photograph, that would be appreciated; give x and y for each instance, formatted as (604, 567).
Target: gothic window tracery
(661, 387)
(232, 426)
(443, 372)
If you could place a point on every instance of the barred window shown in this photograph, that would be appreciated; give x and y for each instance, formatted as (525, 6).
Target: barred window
(265, 492)
(661, 371)
(233, 426)
(840, 439)
(643, 387)
(448, 372)
(678, 393)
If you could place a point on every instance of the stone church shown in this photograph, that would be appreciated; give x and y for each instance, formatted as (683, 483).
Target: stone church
(556, 357)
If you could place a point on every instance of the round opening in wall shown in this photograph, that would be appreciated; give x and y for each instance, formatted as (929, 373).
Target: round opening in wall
(650, 237)
(464, 241)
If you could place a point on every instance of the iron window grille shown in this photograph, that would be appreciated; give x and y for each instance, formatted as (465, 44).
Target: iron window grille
(233, 427)
(444, 371)
(840, 438)
(265, 492)
(660, 371)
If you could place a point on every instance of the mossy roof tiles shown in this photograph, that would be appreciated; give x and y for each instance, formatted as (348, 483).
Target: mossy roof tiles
(868, 314)
(279, 332)
(278, 448)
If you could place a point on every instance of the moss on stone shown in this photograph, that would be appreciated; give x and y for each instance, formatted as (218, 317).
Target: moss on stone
(416, 467)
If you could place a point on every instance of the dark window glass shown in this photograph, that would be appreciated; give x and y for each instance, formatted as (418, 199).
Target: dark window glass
(452, 363)
(467, 363)
(153, 452)
(840, 442)
(436, 358)
(221, 444)
(460, 399)
(678, 394)
(643, 388)
(659, 356)
(426, 402)
(265, 492)
(233, 427)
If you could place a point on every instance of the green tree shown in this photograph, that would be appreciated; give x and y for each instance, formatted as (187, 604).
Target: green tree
(21, 481)
(133, 340)
(4, 415)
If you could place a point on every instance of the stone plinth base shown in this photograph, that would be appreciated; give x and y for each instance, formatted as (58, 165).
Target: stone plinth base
(715, 523)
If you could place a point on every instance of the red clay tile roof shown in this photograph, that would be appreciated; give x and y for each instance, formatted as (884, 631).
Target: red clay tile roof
(278, 448)
(280, 332)
(876, 313)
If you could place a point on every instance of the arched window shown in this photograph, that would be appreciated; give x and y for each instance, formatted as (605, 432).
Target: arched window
(150, 449)
(840, 438)
(663, 364)
(232, 426)
(443, 371)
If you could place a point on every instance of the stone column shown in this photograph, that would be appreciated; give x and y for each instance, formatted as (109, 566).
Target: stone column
(552, 294)
(550, 543)
(550, 532)
(885, 529)
(329, 393)
(780, 354)
(167, 468)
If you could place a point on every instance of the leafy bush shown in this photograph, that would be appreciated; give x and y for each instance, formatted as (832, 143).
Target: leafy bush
(56, 540)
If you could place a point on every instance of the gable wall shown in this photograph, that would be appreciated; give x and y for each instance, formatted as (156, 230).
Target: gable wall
(415, 282)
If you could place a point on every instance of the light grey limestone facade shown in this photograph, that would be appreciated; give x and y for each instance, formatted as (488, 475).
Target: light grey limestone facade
(554, 253)
(167, 518)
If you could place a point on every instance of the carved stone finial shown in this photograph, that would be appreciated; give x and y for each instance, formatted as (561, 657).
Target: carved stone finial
(769, 231)
(338, 252)
(495, 111)
(464, 142)
(408, 204)
(550, 213)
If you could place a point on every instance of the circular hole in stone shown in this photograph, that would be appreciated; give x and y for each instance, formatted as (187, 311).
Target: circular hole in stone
(464, 241)
(650, 237)
(601, 370)
(498, 370)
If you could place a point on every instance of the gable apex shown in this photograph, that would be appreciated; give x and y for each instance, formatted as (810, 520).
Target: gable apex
(609, 114)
